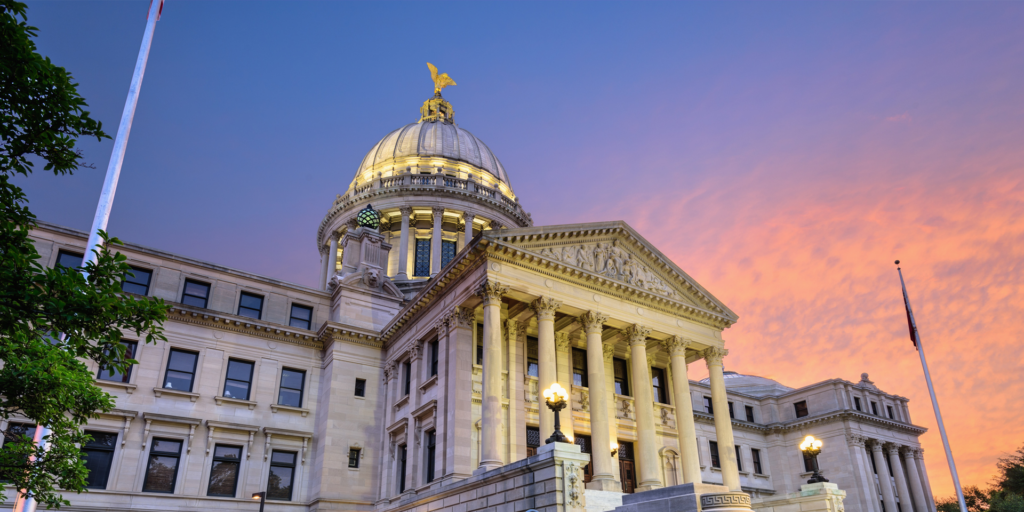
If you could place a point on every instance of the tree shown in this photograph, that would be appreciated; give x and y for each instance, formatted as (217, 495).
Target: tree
(1011, 473)
(1007, 495)
(52, 320)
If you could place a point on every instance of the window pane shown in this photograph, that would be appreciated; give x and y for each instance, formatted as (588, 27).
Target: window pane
(447, 252)
(137, 283)
(178, 380)
(164, 445)
(227, 452)
(236, 389)
(66, 259)
(114, 375)
(279, 484)
(195, 294)
(239, 370)
(251, 301)
(182, 361)
(421, 267)
(300, 323)
(97, 463)
(533, 370)
(292, 379)
(189, 300)
(282, 458)
(302, 312)
(290, 397)
(360, 387)
(102, 440)
(223, 477)
(160, 473)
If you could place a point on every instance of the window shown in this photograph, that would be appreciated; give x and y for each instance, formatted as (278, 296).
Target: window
(195, 293)
(239, 379)
(69, 259)
(136, 281)
(431, 454)
(98, 455)
(750, 413)
(302, 317)
(353, 457)
(621, 377)
(731, 414)
(892, 415)
(801, 408)
(480, 344)
(715, 462)
(808, 462)
(407, 375)
(874, 408)
(708, 408)
(579, 367)
(401, 469)
(856, 403)
(282, 476)
(586, 446)
(112, 374)
(162, 468)
(181, 370)
(421, 268)
(532, 365)
(658, 381)
(756, 455)
(447, 252)
(224, 472)
(292, 382)
(361, 387)
(739, 458)
(532, 441)
(434, 356)
(15, 431)
(250, 305)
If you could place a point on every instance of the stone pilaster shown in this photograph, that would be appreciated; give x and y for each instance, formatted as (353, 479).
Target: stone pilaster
(435, 241)
(685, 428)
(600, 436)
(459, 421)
(387, 447)
(491, 417)
(881, 469)
(547, 372)
(723, 423)
(647, 456)
(515, 334)
(441, 327)
(403, 244)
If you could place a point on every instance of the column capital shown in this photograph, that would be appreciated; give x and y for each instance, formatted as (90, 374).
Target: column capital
(389, 371)
(638, 334)
(713, 356)
(441, 326)
(468, 217)
(919, 454)
(562, 341)
(677, 345)
(495, 225)
(545, 307)
(652, 359)
(334, 235)
(438, 211)
(406, 211)
(352, 223)
(892, 449)
(459, 318)
(907, 452)
(609, 351)
(416, 351)
(855, 440)
(593, 322)
(491, 292)
(876, 445)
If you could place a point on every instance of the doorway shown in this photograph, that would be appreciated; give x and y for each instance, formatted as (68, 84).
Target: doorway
(627, 467)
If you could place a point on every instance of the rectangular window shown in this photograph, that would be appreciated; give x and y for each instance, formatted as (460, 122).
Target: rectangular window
(224, 472)
(136, 281)
(181, 370)
(739, 458)
(302, 317)
(579, 367)
(856, 403)
(69, 259)
(421, 267)
(401, 469)
(732, 415)
(447, 252)
(532, 441)
(434, 357)
(621, 377)
(808, 462)
(480, 344)
(756, 455)
(715, 462)
(292, 384)
(750, 413)
(658, 382)
(250, 305)
(112, 374)
(195, 293)
(361, 387)
(532, 365)
(892, 415)
(431, 454)
(353, 457)
(162, 468)
(407, 375)
(282, 476)
(874, 408)
(239, 379)
(801, 408)
(708, 408)
(98, 455)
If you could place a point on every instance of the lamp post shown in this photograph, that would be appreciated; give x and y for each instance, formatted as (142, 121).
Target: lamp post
(615, 448)
(812, 447)
(262, 496)
(557, 398)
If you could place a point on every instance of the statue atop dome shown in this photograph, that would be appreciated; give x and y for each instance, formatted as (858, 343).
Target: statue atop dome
(440, 81)
(437, 109)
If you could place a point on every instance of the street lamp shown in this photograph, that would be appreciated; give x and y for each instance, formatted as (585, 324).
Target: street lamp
(615, 448)
(812, 447)
(557, 398)
(262, 496)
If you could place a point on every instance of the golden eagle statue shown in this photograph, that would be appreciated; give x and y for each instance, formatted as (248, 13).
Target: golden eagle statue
(440, 81)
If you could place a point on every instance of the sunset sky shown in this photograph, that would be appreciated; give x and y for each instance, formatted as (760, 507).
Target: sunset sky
(783, 154)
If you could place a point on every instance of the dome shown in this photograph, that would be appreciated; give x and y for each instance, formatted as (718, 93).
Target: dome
(434, 139)
(752, 384)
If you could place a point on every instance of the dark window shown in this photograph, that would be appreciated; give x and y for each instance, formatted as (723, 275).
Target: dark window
(621, 377)
(162, 468)
(421, 268)
(434, 357)
(708, 408)
(360, 387)
(353, 457)
(658, 381)
(801, 408)
(98, 455)
(892, 415)
(739, 459)
(447, 252)
(181, 370)
(250, 305)
(874, 468)
(808, 462)
(715, 462)
(292, 383)
(224, 472)
(195, 293)
(69, 259)
(112, 374)
(579, 367)
(302, 317)
(756, 455)
(480, 344)
(874, 408)
(585, 447)
(239, 379)
(282, 475)
(431, 454)
(731, 413)
(532, 366)
(401, 468)
(856, 403)
(407, 375)
(532, 439)
(136, 281)
(750, 413)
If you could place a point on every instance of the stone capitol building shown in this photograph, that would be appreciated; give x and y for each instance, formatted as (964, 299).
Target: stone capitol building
(410, 378)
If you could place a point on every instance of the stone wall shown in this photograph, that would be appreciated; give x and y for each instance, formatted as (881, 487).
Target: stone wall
(824, 497)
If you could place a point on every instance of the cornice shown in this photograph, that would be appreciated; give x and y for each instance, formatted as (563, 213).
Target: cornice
(332, 332)
(831, 417)
(242, 325)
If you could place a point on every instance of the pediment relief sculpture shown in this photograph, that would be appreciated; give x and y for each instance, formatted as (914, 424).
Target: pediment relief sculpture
(612, 260)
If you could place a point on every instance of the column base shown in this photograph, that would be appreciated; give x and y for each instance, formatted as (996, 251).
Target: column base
(648, 487)
(607, 483)
(725, 501)
(487, 466)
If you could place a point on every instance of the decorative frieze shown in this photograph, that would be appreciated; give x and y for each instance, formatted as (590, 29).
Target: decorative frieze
(611, 260)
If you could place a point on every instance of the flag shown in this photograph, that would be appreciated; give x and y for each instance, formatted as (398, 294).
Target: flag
(910, 316)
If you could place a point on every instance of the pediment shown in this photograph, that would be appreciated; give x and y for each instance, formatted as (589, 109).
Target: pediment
(616, 252)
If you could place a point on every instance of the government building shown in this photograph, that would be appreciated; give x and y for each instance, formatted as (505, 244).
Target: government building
(412, 377)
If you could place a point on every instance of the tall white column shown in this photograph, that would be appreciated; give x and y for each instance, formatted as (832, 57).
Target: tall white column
(862, 472)
(881, 469)
(901, 479)
(468, 218)
(685, 428)
(332, 259)
(923, 470)
(387, 446)
(723, 423)
(403, 244)
(613, 427)
(435, 242)
(604, 478)
(920, 502)
(644, 403)
(547, 371)
(323, 267)
(490, 424)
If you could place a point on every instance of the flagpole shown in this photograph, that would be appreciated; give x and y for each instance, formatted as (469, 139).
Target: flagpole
(931, 391)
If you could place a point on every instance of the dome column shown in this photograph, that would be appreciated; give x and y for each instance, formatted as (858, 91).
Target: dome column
(332, 260)
(468, 218)
(403, 245)
(323, 267)
(435, 242)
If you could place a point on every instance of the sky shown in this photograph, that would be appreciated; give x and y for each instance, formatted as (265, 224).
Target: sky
(783, 154)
